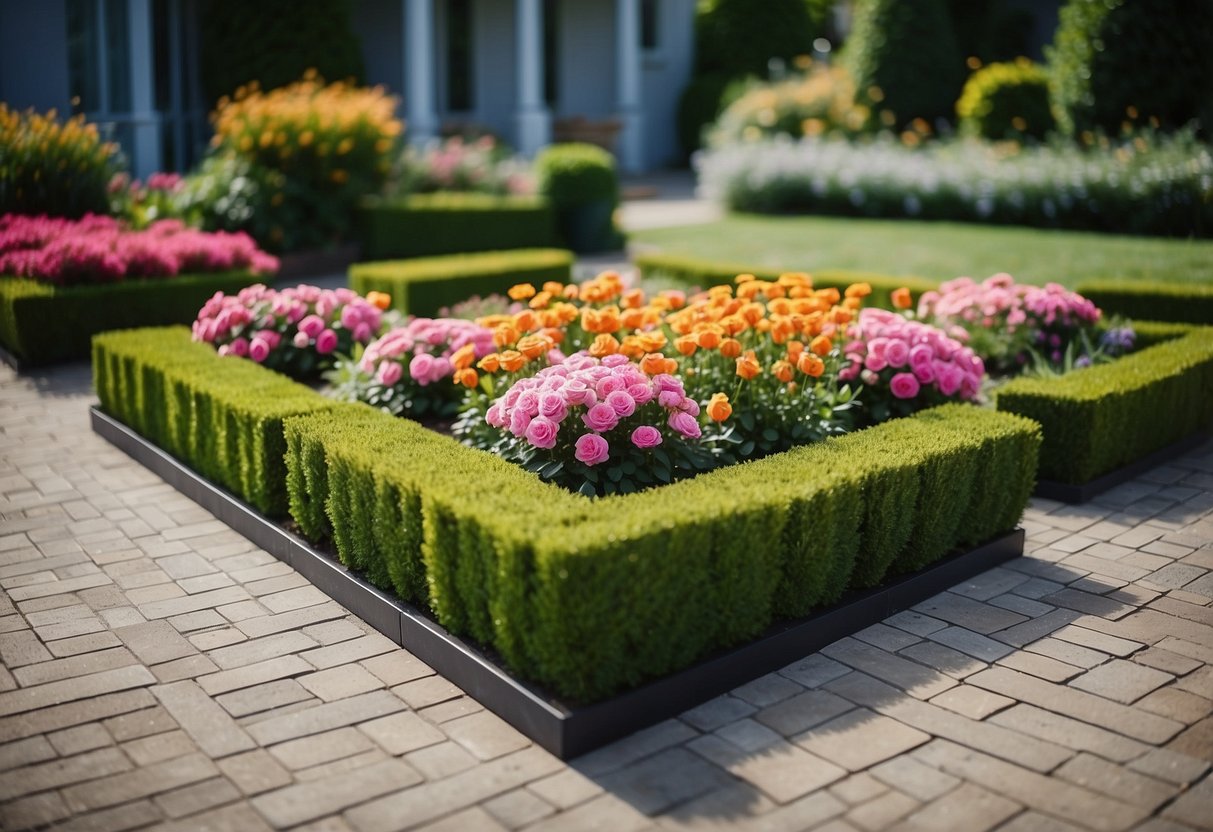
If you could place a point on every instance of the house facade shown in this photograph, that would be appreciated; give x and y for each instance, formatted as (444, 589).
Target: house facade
(530, 71)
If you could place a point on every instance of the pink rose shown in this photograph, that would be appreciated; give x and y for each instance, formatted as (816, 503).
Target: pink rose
(496, 416)
(420, 367)
(875, 363)
(519, 422)
(239, 347)
(615, 360)
(528, 402)
(921, 354)
(670, 399)
(623, 404)
(897, 353)
(904, 386)
(258, 350)
(313, 325)
(925, 373)
(552, 406)
(948, 377)
(646, 436)
(601, 417)
(326, 342)
(641, 392)
(301, 340)
(541, 432)
(592, 449)
(686, 424)
(390, 373)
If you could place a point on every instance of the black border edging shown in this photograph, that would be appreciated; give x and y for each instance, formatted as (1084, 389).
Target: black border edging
(1065, 492)
(566, 731)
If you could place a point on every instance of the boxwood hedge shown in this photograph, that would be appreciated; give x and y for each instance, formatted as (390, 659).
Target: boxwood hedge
(426, 284)
(1101, 418)
(1152, 300)
(43, 324)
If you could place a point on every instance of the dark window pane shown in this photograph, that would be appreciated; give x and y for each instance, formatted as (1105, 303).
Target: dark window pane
(551, 53)
(459, 55)
(84, 85)
(650, 27)
(117, 51)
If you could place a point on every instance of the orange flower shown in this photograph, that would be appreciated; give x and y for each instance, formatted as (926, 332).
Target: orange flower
(571, 291)
(821, 345)
(901, 298)
(730, 348)
(859, 290)
(719, 408)
(748, 366)
(512, 361)
(606, 319)
(782, 370)
(533, 346)
(521, 291)
(795, 348)
(505, 335)
(811, 365)
(381, 300)
(632, 299)
(491, 363)
(686, 344)
(463, 357)
(830, 295)
(709, 337)
(791, 280)
(555, 335)
(655, 363)
(540, 300)
(854, 304)
(604, 344)
(525, 320)
(651, 341)
(467, 377)
(744, 278)
(553, 287)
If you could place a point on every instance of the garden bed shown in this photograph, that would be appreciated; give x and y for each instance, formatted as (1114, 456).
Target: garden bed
(426, 225)
(44, 324)
(564, 729)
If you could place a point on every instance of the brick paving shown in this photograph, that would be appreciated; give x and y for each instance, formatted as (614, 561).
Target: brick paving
(160, 670)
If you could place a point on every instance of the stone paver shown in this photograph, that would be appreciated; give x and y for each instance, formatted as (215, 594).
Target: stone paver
(158, 669)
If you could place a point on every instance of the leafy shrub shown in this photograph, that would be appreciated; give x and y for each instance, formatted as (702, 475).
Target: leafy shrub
(425, 225)
(581, 183)
(1006, 101)
(701, 102)
(426, 284)
(52, 167)
(904, 57)
(274, 42)
(819, 102)
(1098, 419)
(1151, 184)
(227, 192)
(739, 38)
(332, 144)
(223, 418)
(1117, 61)
(44, 324)
(1152, 300)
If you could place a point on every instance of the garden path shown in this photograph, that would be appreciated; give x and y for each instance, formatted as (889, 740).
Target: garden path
(158, 669)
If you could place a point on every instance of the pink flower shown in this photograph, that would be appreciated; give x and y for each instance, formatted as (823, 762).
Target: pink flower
(258, 350)
(420, 367)
(301, 340)
(389, 373)
(496, 416)
(623, 404)
(601, 417)
(904, 385)
(552, 406)
(326, 342)
(312, 325)
(897, 353)
(239, 347)
(541, 432)
(592, 449)
(646, 436)
(519, 422)
(686, 424)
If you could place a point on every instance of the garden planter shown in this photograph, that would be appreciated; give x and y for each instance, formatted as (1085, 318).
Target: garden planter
(566, 729)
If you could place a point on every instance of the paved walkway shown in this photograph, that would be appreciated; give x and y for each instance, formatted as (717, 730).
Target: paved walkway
(158, 669)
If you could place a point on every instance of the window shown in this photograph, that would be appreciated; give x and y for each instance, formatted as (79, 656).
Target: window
(650, 25)
(551, 52)
(459, 56)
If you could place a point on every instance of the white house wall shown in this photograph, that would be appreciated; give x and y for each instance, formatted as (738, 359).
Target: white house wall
(495, 75)
(586, 55)
(379, 24)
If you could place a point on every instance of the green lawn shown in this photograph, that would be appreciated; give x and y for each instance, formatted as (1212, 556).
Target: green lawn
(933, 249)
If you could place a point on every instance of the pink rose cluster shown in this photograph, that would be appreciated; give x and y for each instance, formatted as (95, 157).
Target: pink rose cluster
(424, 347)
(266, 324)
(600, 396)
(999, 301)
(910, 357)
(97, 249)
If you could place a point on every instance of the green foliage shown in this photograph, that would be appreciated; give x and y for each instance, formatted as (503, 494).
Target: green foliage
(1006, 101)
(740, 37)
(274, 41)
(221, 417)
(693, 271)
(452, 223)
(908, 52)
(1098, 419)
(44, 324)
(581, 183)
(702, 100)
(1118, 61)
(425, 285)
(50, 167)
(1152, 300)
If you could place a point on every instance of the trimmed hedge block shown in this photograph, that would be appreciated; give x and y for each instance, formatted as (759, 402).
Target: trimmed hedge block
(222, 417)
(43, 324)
(425, 285)
(704, 273)
(1100, 418)
(1152, 300)
(425, 225)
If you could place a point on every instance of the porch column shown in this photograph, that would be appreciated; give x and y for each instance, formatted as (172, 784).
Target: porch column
(630, 149)
(420, 115)
(533, 120)
(145, 121)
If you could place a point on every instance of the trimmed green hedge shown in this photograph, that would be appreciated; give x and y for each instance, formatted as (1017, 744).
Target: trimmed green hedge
(1152, 300)
(697, 272)
(424, 225)
(43, 324)
(222, 417)
(571, 590)
(424, 285)
(1098, 419)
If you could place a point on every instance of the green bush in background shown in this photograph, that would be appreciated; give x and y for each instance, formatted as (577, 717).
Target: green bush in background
(581, 183)
(1114, 61)
(61, 169)
(1006, 101)
(908, 52)
(425, 225)
(274, 41)
(1152, 300)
